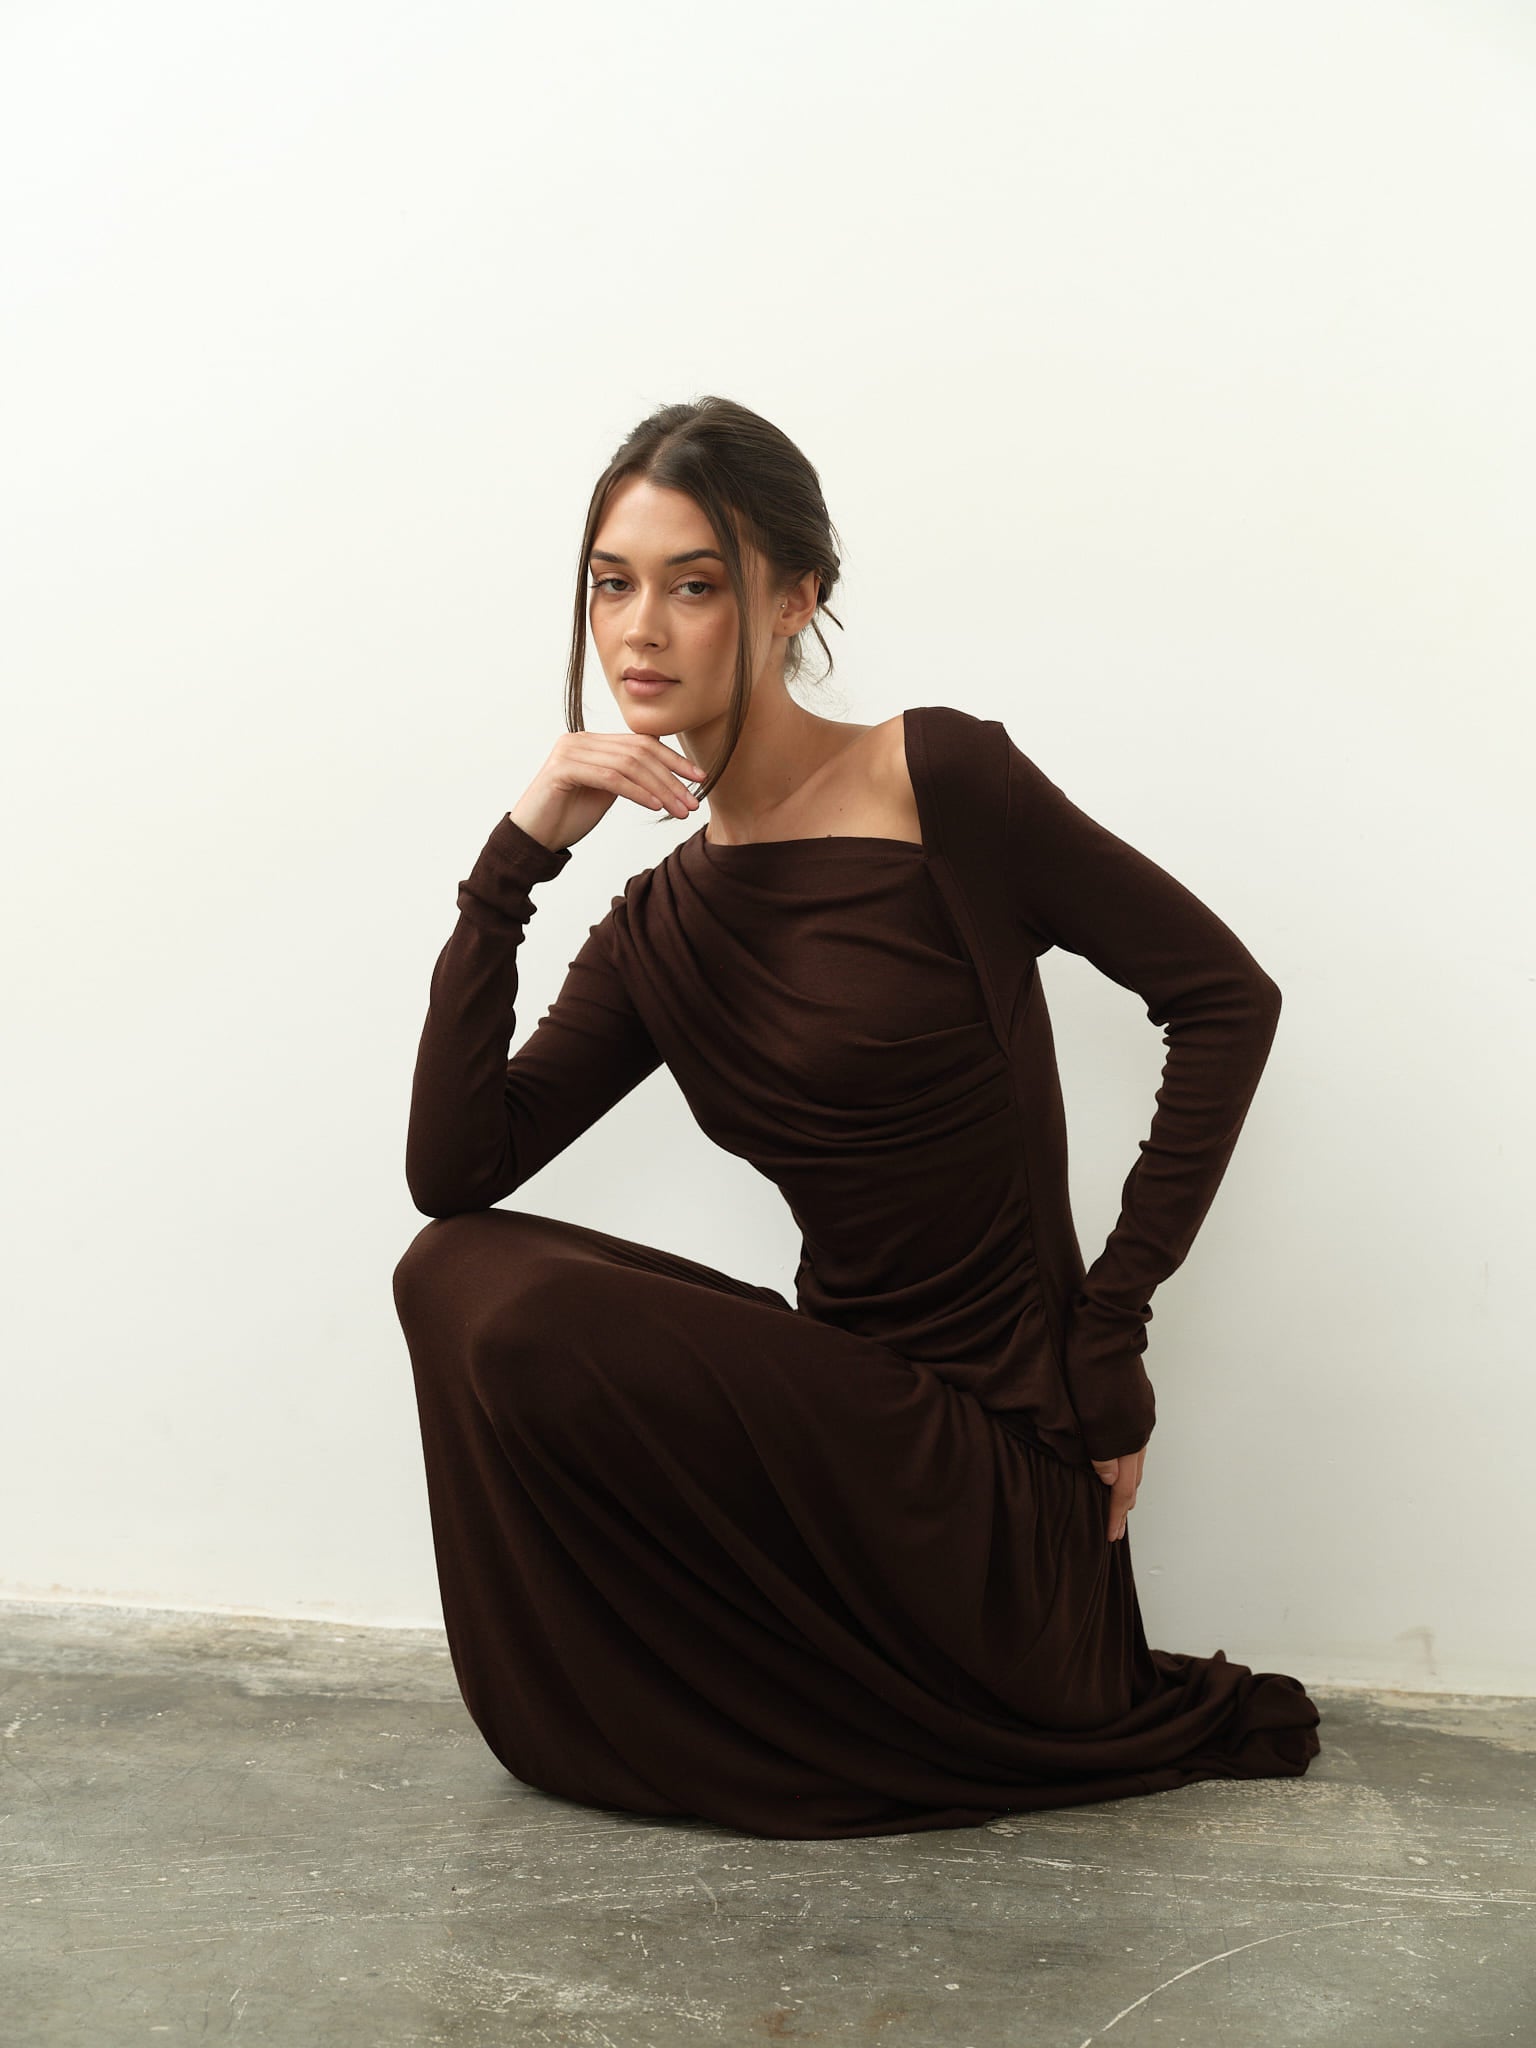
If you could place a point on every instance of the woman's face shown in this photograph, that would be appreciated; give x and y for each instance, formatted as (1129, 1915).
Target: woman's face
(648, 610)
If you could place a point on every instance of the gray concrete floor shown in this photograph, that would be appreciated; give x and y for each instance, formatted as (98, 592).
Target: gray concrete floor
(291, 1832)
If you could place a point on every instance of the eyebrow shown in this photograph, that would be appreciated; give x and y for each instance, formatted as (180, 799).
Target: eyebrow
(693, 555)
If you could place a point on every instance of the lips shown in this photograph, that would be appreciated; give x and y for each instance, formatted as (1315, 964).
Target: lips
(646, 675)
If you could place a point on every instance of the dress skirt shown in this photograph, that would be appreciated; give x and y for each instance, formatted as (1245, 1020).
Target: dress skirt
(703, 1554)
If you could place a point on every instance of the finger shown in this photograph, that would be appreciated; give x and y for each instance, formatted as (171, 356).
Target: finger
(680, 764)
(674, 769)
(673, 799)
(674, 794)
(677, 798)
(673, 759)
(1121, 1501)
(681, 802)
(632, 750)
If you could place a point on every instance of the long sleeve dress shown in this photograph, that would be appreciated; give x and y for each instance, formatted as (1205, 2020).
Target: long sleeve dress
(837, 1566)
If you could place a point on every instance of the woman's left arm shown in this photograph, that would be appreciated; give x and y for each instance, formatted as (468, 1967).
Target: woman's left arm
(1074, 884)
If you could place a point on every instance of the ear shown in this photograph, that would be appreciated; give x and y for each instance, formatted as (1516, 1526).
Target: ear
(797, 607)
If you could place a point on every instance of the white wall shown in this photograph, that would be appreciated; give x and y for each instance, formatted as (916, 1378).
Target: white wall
(1168, 371)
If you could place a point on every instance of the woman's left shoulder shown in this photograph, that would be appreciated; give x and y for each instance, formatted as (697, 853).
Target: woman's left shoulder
(950, 744)
(949, 722)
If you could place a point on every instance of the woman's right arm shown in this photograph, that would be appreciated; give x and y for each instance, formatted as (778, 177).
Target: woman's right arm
(481, 1124)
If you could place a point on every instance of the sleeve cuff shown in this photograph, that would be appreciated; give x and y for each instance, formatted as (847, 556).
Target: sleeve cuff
(512, 845)
(1107, 1384)
(510, 864)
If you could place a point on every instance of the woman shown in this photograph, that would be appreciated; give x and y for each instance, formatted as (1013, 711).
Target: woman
(858, 1564)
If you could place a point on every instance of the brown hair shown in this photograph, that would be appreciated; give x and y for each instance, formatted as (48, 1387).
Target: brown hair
(751, 482)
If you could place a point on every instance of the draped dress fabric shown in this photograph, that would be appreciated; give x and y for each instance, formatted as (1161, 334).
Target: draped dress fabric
(833, 1566)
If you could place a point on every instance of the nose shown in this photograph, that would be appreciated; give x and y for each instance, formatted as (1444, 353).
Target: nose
(640, 635)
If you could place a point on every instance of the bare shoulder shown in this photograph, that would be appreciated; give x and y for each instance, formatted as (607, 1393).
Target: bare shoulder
(866, 790)
(892, 777)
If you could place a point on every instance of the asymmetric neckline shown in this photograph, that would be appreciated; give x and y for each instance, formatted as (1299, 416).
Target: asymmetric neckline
(822, 839)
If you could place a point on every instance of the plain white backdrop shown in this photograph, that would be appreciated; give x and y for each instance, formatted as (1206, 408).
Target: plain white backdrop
(1167, 370)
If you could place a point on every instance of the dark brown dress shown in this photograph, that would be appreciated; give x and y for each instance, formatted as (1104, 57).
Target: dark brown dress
(837, 1567)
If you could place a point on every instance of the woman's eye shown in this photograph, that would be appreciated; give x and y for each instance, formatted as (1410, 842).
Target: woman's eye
(697, 583)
